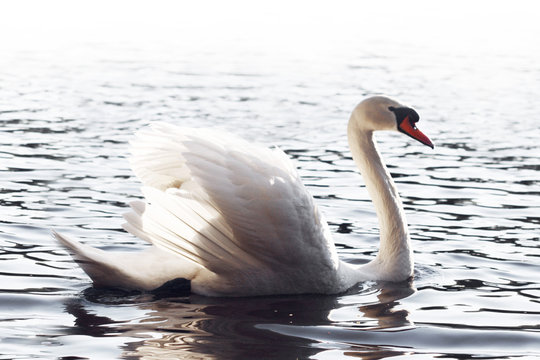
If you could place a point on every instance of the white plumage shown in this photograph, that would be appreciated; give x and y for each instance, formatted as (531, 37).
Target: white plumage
(235, 219)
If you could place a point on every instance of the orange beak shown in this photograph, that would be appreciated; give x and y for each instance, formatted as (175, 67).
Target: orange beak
(409, 128)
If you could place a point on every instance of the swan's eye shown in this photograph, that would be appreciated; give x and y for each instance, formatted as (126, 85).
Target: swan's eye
(405, 114)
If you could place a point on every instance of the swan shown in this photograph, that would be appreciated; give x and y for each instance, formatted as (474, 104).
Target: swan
(234, 218)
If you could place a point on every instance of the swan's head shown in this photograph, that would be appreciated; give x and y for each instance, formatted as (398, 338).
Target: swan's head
(382, 113)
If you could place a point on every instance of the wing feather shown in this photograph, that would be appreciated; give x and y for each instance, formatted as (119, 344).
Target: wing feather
(230, 205)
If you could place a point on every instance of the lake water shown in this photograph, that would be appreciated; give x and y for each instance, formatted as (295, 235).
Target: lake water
(76, 83)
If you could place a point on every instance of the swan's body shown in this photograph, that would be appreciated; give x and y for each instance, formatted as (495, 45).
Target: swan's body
(235, 219)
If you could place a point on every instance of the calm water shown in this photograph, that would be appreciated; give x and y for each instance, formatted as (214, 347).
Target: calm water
(70, 101)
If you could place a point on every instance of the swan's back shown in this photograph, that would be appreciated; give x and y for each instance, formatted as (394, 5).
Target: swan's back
(237, 211)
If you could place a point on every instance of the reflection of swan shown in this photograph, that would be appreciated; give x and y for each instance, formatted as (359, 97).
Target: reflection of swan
(384, 309)
(200, 327)
(235, 219)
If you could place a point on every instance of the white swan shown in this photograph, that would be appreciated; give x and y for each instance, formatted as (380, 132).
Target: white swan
(235, 219)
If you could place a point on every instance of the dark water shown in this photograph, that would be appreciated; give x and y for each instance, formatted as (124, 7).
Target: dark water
(69, 106)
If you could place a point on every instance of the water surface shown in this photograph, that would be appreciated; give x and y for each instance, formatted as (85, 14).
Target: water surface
(69, 106)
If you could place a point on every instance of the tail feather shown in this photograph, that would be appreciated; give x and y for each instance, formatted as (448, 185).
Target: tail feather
(93, 261)
(143, 270)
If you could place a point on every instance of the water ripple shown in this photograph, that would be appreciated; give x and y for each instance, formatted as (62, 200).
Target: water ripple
(472, 203)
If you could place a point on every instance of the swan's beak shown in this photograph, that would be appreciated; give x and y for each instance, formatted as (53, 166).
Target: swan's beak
(408, 127)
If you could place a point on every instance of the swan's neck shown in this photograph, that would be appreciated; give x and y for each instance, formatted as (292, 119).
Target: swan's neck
(394, 260)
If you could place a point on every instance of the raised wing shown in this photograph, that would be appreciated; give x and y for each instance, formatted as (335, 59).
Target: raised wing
(226, 204)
